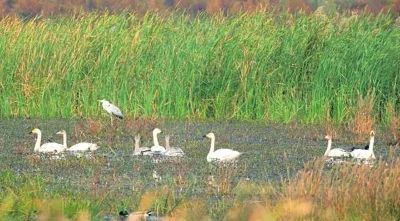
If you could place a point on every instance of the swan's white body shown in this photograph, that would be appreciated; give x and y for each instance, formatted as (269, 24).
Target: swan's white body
(79, 147)
(172, 151)
(140, 150)
(47, 147)
(157, 148)
(337, 152)
(365, 154)
(220, 155)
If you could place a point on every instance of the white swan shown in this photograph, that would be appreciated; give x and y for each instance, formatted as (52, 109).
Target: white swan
(79, 147)
(47, 147)
(220, 155)
(365, 154)
(337, 152)
(172, 151)
(140, 150)
(157, 148)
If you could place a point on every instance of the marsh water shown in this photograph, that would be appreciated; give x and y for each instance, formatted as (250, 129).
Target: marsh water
(271, 153)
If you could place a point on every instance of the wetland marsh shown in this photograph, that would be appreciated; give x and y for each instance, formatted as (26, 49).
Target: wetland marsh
(112, 180)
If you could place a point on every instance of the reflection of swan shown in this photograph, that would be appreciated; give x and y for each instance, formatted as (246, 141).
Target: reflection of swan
(80, 147)
(365, 154)
(47, 147)
(337, 152)
(220, 155)
(172, 151)
(140, 150)
(156, 146)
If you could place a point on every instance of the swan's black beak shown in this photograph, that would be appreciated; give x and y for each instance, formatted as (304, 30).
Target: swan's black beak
(204, 136)
(30, 132)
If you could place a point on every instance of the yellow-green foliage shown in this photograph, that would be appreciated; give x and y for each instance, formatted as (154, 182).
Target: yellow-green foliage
(264, 66)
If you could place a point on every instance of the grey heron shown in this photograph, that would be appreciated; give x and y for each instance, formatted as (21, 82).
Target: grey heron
(111, 109)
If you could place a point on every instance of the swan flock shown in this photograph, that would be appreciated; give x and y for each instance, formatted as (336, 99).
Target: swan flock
(220, 155)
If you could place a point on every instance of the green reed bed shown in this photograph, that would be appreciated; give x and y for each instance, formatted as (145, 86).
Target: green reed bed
(258, 66)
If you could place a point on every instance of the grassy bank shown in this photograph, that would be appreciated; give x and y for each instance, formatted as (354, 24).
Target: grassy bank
(259, 66)
(353, 192)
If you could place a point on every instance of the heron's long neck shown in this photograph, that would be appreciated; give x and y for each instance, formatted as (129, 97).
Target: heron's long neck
(38, 140)
(155, 139)
(371, 144)
(212, 145)
(329, 147)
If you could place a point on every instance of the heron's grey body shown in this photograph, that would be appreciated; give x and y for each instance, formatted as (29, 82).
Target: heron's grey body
(111, 109)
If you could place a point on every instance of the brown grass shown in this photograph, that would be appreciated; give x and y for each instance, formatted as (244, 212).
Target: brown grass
(394, 123)
(363, 121)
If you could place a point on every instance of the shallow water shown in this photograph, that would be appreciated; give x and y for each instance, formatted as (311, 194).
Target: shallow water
(271, 153)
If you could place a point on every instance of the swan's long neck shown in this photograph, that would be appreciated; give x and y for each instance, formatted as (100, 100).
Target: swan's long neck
(212, 145)
(38, 140)
(371, 144)
(137, 144)
(329, 147)
(167, 147)
(155, 139)
(65, 140)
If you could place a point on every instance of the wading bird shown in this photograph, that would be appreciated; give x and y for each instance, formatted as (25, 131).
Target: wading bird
(220, 155)
(172, 151)
(365, 154)
(111, 109)
(47, 147)
(79, 147)
(337, 152)
(140, 150)
(157, 148)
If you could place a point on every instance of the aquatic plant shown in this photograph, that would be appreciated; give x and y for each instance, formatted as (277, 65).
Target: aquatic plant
(260, 66)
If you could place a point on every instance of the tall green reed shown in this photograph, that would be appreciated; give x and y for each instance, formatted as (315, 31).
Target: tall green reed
(262, 66)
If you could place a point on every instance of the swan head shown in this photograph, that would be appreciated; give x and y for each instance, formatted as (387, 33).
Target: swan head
(35, 131)
(137, 138)
(156, 131)
(61, 132)
(328, 137)
(210, 135)
(372, 133)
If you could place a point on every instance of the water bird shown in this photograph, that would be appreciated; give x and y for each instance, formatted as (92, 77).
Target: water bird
(79, 147)
(220, 155)
(365, 154)
(172, 151)
(366, 147)
(111, 109)
(337, 152)
(140, 150)
(157, 148)
(47, 147)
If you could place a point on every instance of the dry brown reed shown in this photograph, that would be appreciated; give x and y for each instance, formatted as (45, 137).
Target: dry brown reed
(363, 121)
(394, 124)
